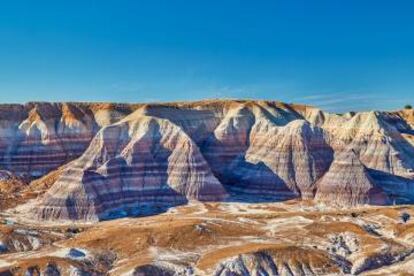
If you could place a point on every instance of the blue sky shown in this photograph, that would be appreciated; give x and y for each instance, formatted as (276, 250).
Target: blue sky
(339, 55)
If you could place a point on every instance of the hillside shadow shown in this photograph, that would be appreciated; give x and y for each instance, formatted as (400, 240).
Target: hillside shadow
(398, 141)
(400, 190)
(197, 128)
(243, 184)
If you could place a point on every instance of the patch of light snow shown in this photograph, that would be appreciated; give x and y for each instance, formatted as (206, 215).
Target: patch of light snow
(4, 263)
(71, 253)
(276, 224)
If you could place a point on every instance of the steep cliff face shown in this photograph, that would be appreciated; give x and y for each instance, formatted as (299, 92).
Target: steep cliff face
(39, 137)
(296, 153)
(114, 159)
(378, 143)
(268, 149)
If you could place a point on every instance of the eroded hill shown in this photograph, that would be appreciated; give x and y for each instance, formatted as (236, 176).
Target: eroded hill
(236, 188)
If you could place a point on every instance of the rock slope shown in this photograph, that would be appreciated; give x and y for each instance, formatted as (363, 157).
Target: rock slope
(128, 168)
(348, 182)
(282, 261)
(108, 160)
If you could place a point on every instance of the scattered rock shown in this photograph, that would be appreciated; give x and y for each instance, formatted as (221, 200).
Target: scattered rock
(344, 244)
(51, 270)
(405, 217)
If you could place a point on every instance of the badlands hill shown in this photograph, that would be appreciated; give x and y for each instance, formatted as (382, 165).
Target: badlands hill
(89, 161)
(205, 188)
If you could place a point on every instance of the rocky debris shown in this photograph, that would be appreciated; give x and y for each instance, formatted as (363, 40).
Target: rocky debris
(103, 261)
(10, 188)
(75, 271)
(180, 243)
(405, 217)
(22, 240)
(65, 265)
(343, 244)
(6, 175)
(72, 231)
(380, 259)
(32, 271)
(202, 228)
(371, 229)
(51, 270)
(163, 269)
(248, 264)
(20, 243)
(56, 269)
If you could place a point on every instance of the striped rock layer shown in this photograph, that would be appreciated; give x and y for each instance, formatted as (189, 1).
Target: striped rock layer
(348, 182)
(114, 159)
(37, 138)
(130, 167)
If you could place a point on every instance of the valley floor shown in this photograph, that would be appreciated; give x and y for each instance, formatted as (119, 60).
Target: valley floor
(287, 238)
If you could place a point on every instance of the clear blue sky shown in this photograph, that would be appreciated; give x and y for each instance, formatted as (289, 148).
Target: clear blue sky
(339, 55)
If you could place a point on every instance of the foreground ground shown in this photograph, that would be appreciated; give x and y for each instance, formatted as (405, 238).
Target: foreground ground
(289, 238)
